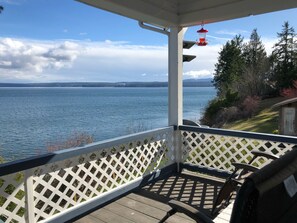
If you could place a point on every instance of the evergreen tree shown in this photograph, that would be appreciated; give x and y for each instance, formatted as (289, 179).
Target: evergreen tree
(230, 66)
(256, 67)
(284, 58)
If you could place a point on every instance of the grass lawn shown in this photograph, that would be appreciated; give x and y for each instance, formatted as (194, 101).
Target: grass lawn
(265, 121)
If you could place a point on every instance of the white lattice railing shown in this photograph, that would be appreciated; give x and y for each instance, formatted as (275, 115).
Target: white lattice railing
(55, 187)
(217, 149)
(45, 188)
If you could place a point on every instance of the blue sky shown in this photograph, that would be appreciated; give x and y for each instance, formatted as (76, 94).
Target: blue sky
(55, 41)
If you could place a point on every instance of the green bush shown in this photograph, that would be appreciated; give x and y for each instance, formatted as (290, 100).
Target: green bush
(216, 105)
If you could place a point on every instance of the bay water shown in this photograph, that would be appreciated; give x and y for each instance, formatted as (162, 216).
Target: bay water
(33, 118)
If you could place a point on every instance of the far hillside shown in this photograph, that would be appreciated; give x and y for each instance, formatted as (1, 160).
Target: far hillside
(206, 82)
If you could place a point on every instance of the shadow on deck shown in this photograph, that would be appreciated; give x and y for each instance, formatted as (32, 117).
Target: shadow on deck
(149, 204)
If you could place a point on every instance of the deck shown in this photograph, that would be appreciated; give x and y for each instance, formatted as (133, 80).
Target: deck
(67, 185)
(149, 203)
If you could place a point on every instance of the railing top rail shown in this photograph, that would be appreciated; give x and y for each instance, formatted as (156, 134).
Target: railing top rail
(241, 134)
(28, 163)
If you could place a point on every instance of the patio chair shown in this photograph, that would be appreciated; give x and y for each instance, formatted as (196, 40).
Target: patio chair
(267, 195)
(192, 123)
(235, 180)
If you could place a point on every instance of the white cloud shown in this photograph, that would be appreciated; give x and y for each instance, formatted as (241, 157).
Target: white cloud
(118, 61)
(220, 39)
(23, 60)
(198, 74)
(268, 44)
(232, 32)
(12, 2)
(203, 65)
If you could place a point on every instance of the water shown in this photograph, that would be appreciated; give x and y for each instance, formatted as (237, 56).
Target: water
(32, 118)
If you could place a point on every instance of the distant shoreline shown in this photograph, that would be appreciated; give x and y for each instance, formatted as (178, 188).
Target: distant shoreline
(186, 83)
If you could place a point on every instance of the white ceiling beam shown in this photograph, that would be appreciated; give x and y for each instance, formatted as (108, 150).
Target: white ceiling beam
(189, 13)
(201, 5)
(235, 10)
(139, 10)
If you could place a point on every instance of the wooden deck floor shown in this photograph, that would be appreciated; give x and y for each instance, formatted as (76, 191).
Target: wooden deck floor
(148, 205)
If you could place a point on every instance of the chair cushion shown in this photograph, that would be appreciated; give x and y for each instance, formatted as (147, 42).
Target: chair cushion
(263, 196)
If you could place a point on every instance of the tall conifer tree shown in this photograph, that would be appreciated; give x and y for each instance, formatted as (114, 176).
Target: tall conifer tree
(256, 67)
(229, 67)
(284, 58)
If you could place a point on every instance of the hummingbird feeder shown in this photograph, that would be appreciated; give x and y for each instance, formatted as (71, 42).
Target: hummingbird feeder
(202, 37)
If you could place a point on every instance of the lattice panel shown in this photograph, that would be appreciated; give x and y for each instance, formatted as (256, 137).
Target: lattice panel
(219, 151)
(12, 198)
(64, 184)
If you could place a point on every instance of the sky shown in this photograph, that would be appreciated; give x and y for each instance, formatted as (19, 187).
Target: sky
(67, 41)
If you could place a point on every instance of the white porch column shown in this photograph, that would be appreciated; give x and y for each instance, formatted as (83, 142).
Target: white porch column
(175, 86)
(175, 83)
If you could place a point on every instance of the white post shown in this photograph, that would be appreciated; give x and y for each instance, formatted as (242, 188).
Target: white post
(29, 197)
(175, 83)
(175, 86)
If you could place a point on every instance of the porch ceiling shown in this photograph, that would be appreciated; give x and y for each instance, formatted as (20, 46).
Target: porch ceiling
(167, 13)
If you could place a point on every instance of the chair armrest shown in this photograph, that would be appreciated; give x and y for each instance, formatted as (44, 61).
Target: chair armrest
(264, 154)
(245, 166)
(193, 213)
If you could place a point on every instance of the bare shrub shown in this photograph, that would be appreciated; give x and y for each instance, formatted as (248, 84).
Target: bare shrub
(245, 110)
(76, 140)
(226, 115)
(249, 106)
(138, 126)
